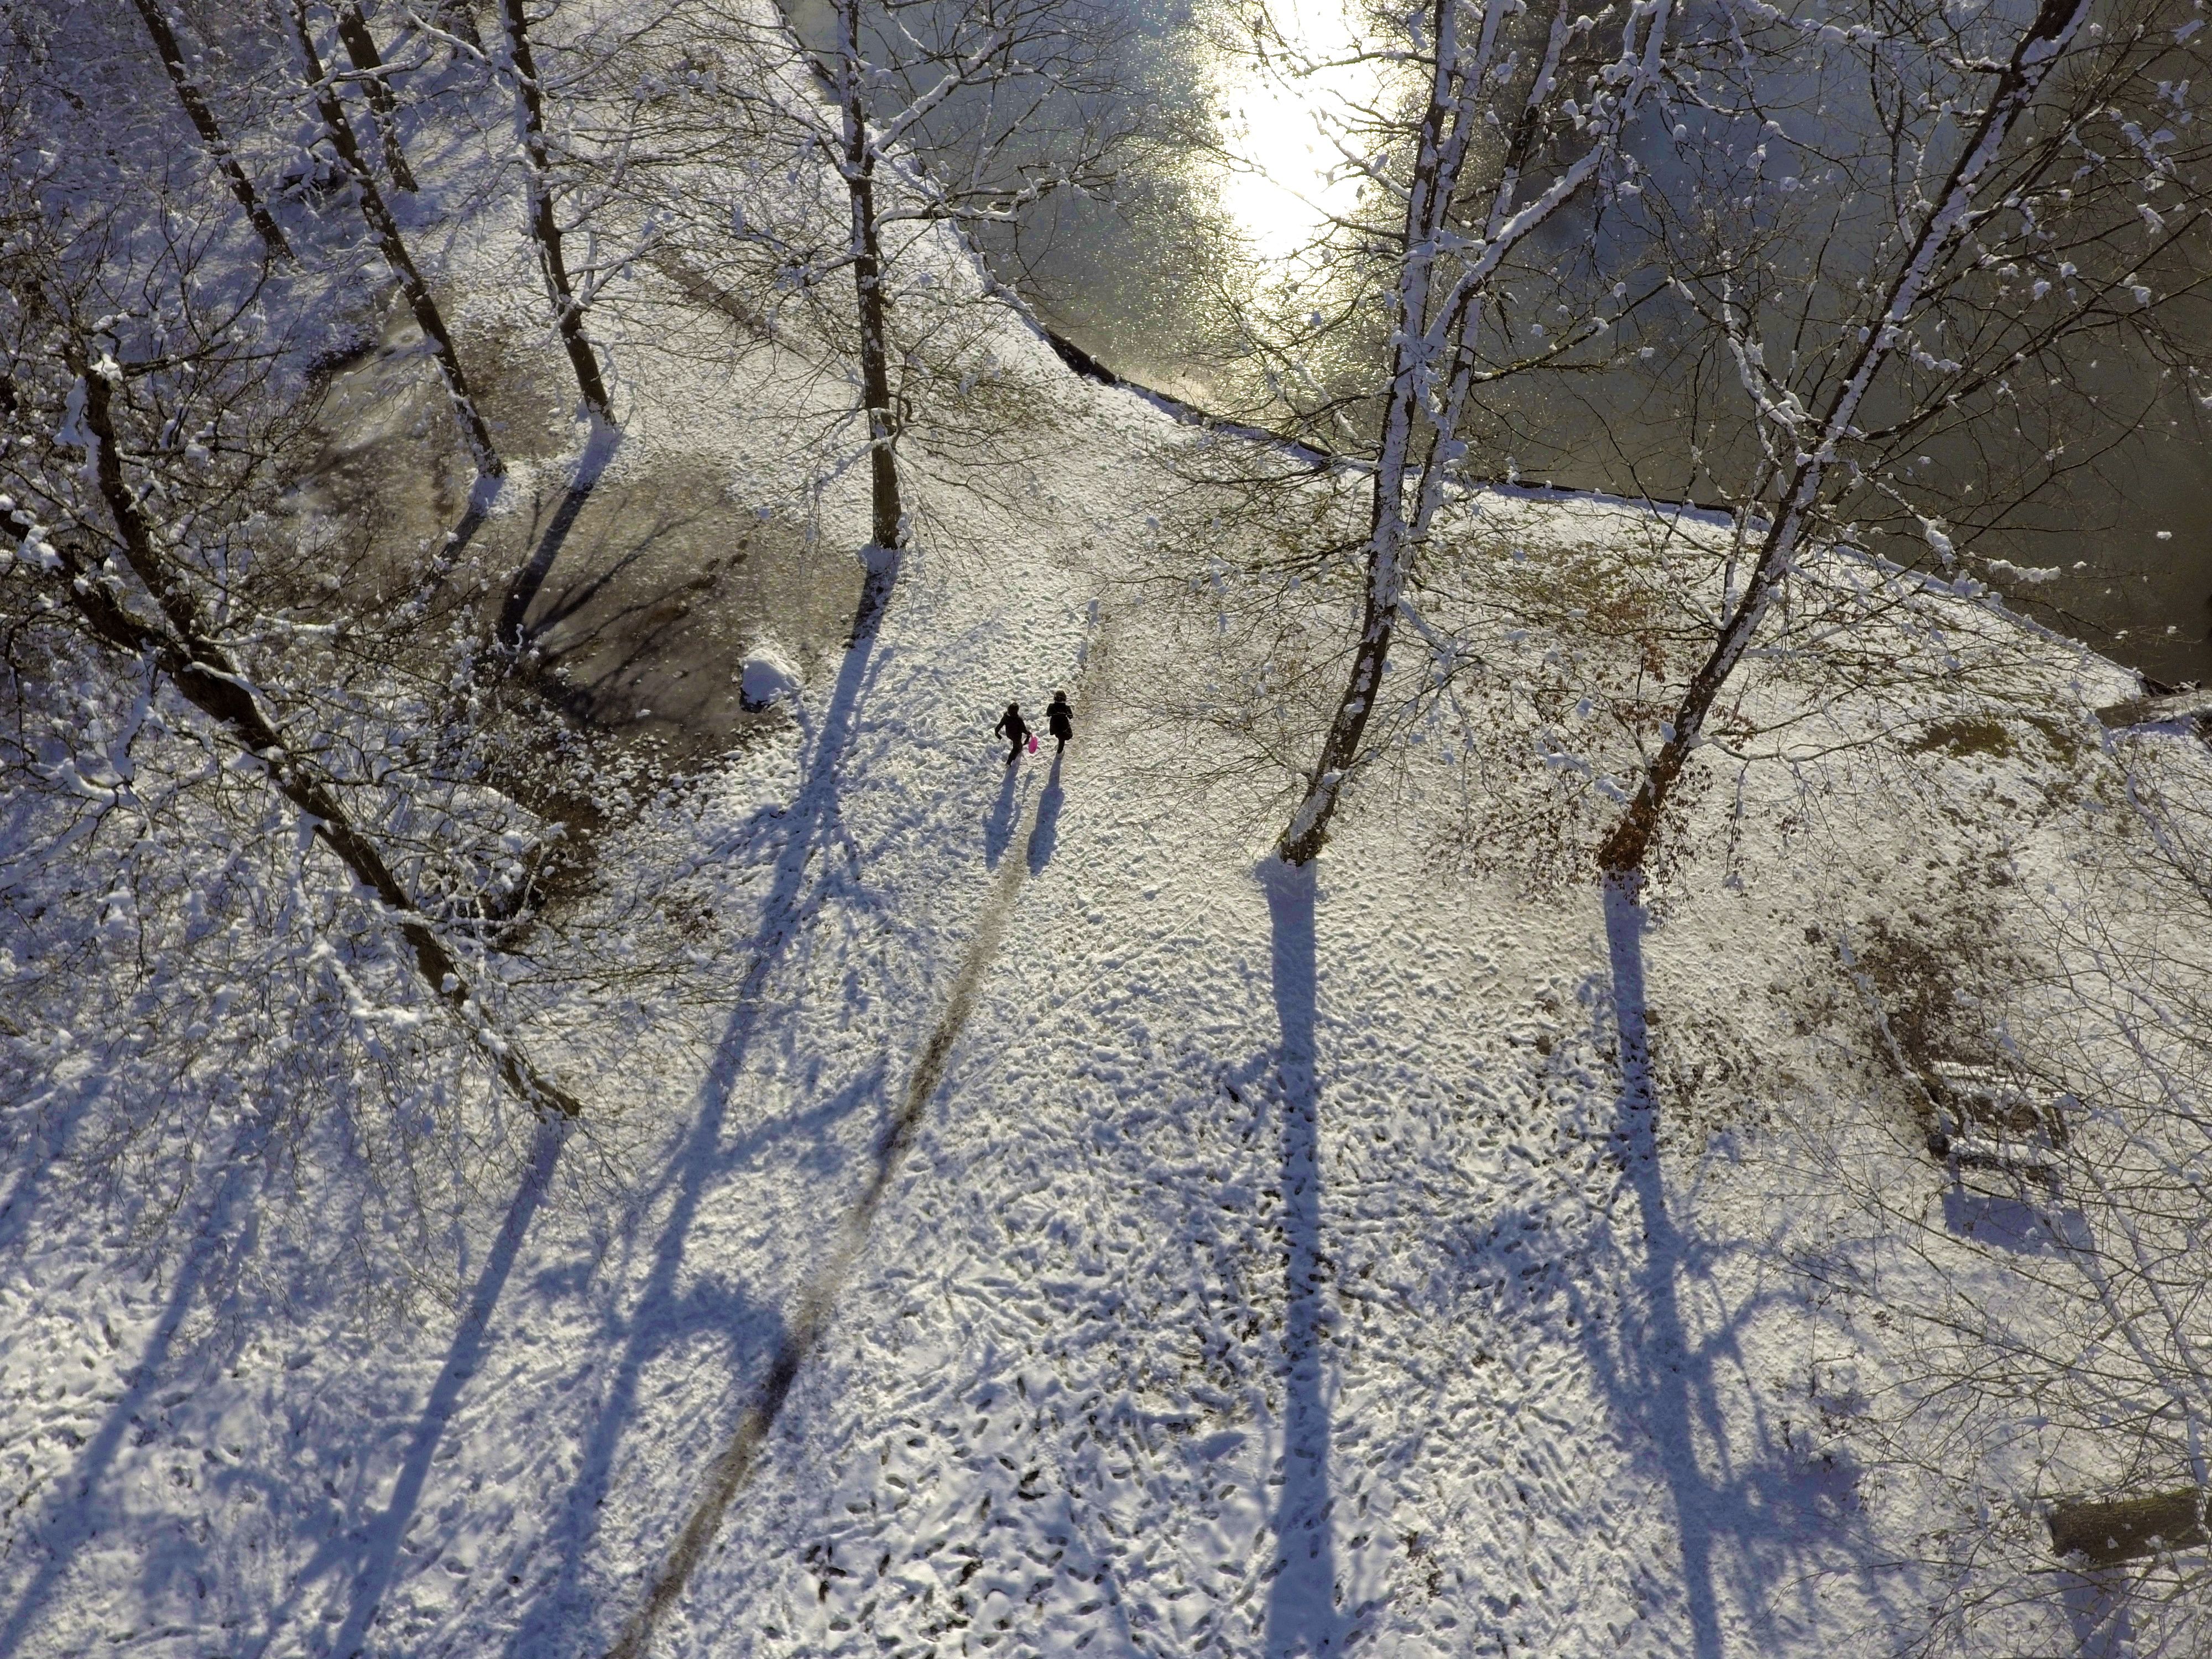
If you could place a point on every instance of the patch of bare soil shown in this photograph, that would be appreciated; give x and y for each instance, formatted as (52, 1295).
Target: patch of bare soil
(634, 597)
(659, 585)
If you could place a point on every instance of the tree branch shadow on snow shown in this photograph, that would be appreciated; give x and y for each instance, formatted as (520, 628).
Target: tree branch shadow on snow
(2098, 1614)
(556, 1622)
(1302, 1612)
(482, 496)
(42, 1155)
(817, 1298)
(515, 611)
(588, 586)
(71, 1521)
(661, 1317)
(375, 1545)
(1767, 1516)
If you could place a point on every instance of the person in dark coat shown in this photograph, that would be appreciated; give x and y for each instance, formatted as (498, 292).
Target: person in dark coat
(1060, 719)
(1014, 729)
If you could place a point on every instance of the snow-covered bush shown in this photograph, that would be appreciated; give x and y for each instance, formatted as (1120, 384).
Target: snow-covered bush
(766, 676)
(261, 874)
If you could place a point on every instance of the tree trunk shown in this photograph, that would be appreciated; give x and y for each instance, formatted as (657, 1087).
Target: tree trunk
(457, 18)
(202, 118)
(187, 649)
(2036, 50)
(545, 226)
(360, 47)
(1422, 417)
(1436, 176)
(474, 433)
(888, 529)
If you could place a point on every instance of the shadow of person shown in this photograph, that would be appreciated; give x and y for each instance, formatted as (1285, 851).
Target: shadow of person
(999, 827)
(1044, 834)
(1303, 1617)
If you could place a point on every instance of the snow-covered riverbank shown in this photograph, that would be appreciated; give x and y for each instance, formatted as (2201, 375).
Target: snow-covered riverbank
(1262, 1264)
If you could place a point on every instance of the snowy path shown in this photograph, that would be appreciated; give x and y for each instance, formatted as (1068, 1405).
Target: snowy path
(874, 936)
(1283, 1272)
(1067, 1243)
(818, 1301)
(509, 1481)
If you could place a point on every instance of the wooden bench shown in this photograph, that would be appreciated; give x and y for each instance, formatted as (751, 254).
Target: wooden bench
(1993, 1128)
(2129, 1528)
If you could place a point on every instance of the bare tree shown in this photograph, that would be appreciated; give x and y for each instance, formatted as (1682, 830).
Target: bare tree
(529, 120)
(931, 105)
(185, 643)
(2006, 244)
(927, 117)
(210, 131)
(231, 960)
(2047, 1339)
(331, 112)
(1510, 133)
(857, 160)
(368, 64)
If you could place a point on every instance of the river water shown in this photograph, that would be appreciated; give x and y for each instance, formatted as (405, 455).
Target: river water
(1146, 292)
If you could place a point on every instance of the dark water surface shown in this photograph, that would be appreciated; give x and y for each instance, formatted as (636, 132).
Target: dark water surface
(1143, 292)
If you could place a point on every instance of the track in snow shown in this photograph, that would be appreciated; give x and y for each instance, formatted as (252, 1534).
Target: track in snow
(817, 1299)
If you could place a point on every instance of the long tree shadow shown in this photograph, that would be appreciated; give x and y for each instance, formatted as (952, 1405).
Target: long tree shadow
(483, 496)
(44, 1155)
(2098, 1614)
(70, 1521)
(1655, 1378)
(659, 1319)
(817, 1299)
(376, 1545)
(1303, 1617)
(588, 586)
(557, 1622)
(73, 1518)
(514, 610)
(1732, 1486)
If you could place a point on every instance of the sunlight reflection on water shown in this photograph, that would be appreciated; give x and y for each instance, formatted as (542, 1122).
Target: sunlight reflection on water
(1227, 220)
(1287, 123)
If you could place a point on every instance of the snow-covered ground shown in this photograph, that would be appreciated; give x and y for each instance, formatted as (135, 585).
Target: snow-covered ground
(1175, 1257)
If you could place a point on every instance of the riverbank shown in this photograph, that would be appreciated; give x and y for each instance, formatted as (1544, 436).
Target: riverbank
(1026, 1222)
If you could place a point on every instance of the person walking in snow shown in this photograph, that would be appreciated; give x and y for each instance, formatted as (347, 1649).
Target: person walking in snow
(1060, 719)
(1014, 729)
